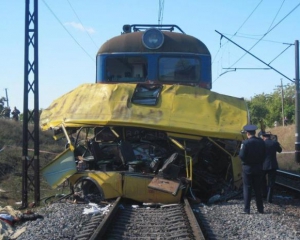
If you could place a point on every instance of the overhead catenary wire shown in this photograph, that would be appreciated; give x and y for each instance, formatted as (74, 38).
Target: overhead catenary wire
(233, 36)
(289, 45)
(238, 28)
(266, 34)
(263, 40)
(259, 41)
(276, 14)
(256, 57)
(68, 31)
(281, 53)
(82, 24)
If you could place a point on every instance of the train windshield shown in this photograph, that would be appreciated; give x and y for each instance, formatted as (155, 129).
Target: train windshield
(126, 69)
(179, 69)
(164, 68)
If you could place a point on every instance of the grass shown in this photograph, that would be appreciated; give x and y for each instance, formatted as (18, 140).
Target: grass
(11, 145)
(286, 138)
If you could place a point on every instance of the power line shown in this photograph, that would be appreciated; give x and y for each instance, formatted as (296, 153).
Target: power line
(238, 28)
(289, 45)
(276, 14)
(261, 38)
(232, 37)
(82, 24)
(266, 40)
(281, 53)
(266, 34)
(254, 56)
(68, 31)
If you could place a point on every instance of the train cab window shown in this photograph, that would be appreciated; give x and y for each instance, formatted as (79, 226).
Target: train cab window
(126, 69)
(179, 69)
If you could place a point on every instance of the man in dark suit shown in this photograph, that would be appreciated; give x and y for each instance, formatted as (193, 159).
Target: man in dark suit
(270, 165)
(252, 154)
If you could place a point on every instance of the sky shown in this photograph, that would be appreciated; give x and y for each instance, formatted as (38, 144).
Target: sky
(70, 32)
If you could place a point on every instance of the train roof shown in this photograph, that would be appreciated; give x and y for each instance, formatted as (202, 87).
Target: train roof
(173, 42)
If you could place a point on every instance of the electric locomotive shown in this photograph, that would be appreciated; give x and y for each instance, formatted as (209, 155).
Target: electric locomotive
(149, 129)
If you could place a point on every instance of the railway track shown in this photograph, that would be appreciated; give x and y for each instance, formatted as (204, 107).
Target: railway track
(121, 219)
(128, 221)
(288, 180)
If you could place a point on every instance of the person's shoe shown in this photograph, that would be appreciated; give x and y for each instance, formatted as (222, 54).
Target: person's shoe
(261, 211)
(246, 212)
(30, 217)
(38, 216)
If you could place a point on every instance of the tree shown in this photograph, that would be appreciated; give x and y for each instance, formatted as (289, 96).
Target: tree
(257, 108)
(269, 106)
(289, 102)
(2, 100)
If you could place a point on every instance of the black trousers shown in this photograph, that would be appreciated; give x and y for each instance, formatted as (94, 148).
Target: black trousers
(269, 179)
(252, 181)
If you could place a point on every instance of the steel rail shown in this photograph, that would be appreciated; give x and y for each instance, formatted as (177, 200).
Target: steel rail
(101, 229)
(105, 226)
(288, 180)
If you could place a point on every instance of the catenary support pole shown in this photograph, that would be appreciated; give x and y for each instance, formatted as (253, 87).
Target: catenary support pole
(297, 99)
(30, 164)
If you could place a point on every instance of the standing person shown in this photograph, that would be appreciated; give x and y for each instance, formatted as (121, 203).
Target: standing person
(270, 165)
(252, 154)
(15, 114)
(285, 121)
(7, 112)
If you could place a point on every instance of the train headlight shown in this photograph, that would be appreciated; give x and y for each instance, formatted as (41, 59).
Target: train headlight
(153, 38)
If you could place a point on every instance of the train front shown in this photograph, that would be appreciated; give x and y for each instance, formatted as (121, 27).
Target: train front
(149, 129)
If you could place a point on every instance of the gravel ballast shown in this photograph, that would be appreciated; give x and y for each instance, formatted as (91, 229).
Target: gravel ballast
(224, 220)
(227, 221)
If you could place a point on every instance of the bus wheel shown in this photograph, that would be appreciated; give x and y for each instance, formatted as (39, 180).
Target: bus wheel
(88, 190)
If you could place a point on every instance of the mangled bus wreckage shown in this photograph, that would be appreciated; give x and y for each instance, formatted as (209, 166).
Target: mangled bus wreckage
(150, 129)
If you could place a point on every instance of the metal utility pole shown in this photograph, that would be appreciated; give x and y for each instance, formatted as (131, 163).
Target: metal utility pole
(30, 164)
(161, 4)
(282, 101)
(297, 100)
(7, 104)
(297, 93)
